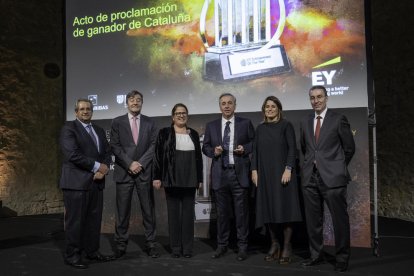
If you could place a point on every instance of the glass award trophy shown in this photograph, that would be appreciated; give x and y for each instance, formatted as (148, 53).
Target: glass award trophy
(244, 47)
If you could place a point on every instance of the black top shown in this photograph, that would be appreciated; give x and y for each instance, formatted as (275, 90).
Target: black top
(185, 169)
(165, 162)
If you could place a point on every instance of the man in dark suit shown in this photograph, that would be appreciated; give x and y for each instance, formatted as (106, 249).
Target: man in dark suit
(133, 138)
(86, 157)
(328, 146)
(228, 141)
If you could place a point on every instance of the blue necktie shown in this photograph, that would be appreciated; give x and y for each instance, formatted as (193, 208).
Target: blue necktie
(226, 144)
(89, 127)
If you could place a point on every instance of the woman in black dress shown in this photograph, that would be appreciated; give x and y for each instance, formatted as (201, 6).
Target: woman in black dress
(178, 168)
(273, 173)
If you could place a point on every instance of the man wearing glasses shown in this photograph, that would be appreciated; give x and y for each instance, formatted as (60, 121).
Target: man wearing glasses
(86, 158)
(328, 146)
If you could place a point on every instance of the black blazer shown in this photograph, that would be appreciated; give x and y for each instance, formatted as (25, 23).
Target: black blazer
(125, 150)
(332, 153)
(79, 156)
(244, 135)
(164, 157)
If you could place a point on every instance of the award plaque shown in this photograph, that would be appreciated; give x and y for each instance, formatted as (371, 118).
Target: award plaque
(244, 47)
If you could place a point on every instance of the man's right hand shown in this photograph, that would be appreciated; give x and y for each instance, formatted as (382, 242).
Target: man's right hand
(98, 176)
(218, 150)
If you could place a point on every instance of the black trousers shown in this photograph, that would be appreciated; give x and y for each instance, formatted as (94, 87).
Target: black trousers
(315, 194)
(83, 216)
(124, 192)
(230, 192)
(180, 205)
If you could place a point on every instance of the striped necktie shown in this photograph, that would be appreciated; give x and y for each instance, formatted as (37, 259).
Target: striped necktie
(89, 127)
(226, 144)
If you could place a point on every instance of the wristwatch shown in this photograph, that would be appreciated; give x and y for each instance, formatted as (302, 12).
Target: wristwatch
(289, 168)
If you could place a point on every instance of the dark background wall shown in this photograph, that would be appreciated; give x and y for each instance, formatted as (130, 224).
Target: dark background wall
(393, 72)
(31, 105)
(32, 102)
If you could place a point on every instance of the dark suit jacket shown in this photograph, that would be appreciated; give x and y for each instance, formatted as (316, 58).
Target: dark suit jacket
(79, 156)
(244, 135)
(164, 157)
(333, 152)
(125, 150)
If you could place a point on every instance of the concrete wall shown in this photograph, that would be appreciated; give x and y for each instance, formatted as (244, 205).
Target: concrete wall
(31, 105)
(393, 44)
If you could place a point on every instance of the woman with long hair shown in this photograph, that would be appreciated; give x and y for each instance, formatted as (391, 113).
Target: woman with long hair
(274, 174)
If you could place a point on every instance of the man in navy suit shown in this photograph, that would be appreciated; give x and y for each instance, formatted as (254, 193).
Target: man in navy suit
(228, 141)
(328, 146)
(86, 157)
(133, 137)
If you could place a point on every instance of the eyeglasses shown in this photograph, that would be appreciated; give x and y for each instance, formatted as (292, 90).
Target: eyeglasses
(180, 114)
(317, 98)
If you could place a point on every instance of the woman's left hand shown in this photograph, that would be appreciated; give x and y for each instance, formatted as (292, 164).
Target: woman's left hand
(286, 176)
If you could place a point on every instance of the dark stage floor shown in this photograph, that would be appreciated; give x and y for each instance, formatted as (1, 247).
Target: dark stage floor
(32, 245)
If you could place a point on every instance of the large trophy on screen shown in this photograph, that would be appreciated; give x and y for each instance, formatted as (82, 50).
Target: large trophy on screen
(243, 47)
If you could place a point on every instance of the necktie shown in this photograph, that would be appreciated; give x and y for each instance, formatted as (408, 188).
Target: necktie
(318, 128)
(135, 130)
(226, 144)
(89, 127)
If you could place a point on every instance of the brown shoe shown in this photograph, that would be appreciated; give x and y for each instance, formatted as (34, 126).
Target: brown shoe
(274, 252)
(286, 254)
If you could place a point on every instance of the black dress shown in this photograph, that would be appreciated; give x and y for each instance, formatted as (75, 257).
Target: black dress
(274, 149)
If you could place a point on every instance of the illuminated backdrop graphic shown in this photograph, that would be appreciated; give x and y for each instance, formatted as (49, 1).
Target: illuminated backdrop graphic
(165, 60)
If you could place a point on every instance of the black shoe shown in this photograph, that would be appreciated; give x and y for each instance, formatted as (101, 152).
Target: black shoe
(152, 252)
(241, 256)
(220, 251)
(78, 264)
(312, 262)
(98, 257)
(341, 266)
(188, 255)
(119, 254)
(175, 255)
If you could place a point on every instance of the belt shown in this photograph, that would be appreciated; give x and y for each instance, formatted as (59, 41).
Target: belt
(230, 166)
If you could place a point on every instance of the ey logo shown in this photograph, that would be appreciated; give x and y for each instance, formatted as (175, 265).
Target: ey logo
(324, 77)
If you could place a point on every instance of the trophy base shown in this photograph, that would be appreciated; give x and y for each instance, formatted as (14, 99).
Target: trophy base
(204, 210)
(245, 64)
